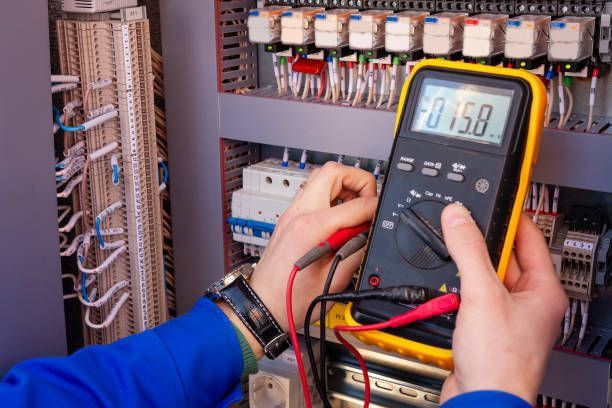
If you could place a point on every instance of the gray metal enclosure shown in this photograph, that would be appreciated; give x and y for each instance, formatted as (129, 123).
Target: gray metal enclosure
(32, 312)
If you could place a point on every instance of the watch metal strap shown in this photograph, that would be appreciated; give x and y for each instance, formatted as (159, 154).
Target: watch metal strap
(255, 316)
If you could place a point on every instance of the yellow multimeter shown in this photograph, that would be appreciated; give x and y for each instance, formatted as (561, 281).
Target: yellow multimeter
(464, 133)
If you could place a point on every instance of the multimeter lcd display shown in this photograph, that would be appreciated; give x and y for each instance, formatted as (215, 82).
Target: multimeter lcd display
(462, 110)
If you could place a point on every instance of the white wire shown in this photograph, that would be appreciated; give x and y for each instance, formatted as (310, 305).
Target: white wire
(65, 209)
(111, 316)
(103, 266)
(102, 300)
(71, 185)
(71, 222)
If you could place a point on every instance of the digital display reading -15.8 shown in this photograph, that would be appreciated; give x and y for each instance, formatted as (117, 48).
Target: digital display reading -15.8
(462, 110)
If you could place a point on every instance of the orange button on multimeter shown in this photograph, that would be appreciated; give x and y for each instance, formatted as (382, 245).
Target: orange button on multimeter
(464, 133)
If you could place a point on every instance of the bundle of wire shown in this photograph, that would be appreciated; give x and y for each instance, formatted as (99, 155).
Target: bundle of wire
(430, 302)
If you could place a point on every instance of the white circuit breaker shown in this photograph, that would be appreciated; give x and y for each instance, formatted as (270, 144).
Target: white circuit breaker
(267, 191)
(404, 31)
(331, 28)
(367, 29)
(264, 24)
(526, 37)
(297, 25)
(483, 35)
(96, 6)
(571, 38)
(443, 33)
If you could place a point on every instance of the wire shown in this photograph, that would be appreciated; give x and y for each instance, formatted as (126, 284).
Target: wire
(592, 94)
(102, 300)
(71, 222)
(362, 365)
(293, 335)
(322, 313)
(112, 315)
(58, 121)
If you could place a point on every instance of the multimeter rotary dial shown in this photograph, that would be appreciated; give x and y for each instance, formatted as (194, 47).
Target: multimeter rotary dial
(419, 235)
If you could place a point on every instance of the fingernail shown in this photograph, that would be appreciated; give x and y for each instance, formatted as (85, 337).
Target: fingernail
(456, 214)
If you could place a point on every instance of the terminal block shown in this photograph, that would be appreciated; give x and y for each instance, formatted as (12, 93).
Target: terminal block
(483, 38)
(526, 40)
(466, 6)
(549, 224)
(495, 6)
(404, 34)
(538, 7)
(96, 6)
(571, 39)
(297, 25)
(367, 29)
(581, 7)
(331, 28)
(267, 191)
(417, 5)
(578, 264)
(443, 35)
(264, 24)
(381, 4)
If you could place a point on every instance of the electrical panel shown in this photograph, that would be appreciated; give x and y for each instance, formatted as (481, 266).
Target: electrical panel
(350, 75)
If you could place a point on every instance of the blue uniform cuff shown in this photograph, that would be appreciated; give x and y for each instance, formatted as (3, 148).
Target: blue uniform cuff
(206, 353)
(486, 399)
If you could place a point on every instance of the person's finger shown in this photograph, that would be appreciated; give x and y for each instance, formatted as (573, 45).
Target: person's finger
(346, 195)
(533, 257)
(312, 175)
(332, 179)
(349, 214)
(467, 247)
(513, 273)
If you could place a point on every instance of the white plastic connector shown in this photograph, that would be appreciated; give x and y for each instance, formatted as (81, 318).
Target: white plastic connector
(76, 149)
(404, 31)
(100, 120)
(526, 37)
(331, 28)
(443, 33)
(65, 79)
(69, 108)
(483, 35)
(103, 151)
(100, 111)
(297, 25)
(63, 87)
(571, 38)
(367, 29)
(102, 83)
(264, 24)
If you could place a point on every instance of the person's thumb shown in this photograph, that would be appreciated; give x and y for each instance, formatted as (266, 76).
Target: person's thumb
(467, 247)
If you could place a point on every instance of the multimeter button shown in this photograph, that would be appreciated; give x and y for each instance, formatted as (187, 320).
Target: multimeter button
(458, 177)
(428, 171)
(405, 166)
(482, 185)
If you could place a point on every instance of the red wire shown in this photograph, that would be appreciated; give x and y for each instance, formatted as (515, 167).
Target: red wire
(294, 338)
(322, 84)
(361, 361)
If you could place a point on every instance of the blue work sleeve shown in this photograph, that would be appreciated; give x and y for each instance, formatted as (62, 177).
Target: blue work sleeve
(486, 399)
(192, 361)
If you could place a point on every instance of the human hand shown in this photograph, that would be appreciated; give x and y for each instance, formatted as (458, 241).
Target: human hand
(505, 331)
(312, 217)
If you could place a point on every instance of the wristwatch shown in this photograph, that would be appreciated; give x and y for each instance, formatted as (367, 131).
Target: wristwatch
(234, 289)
